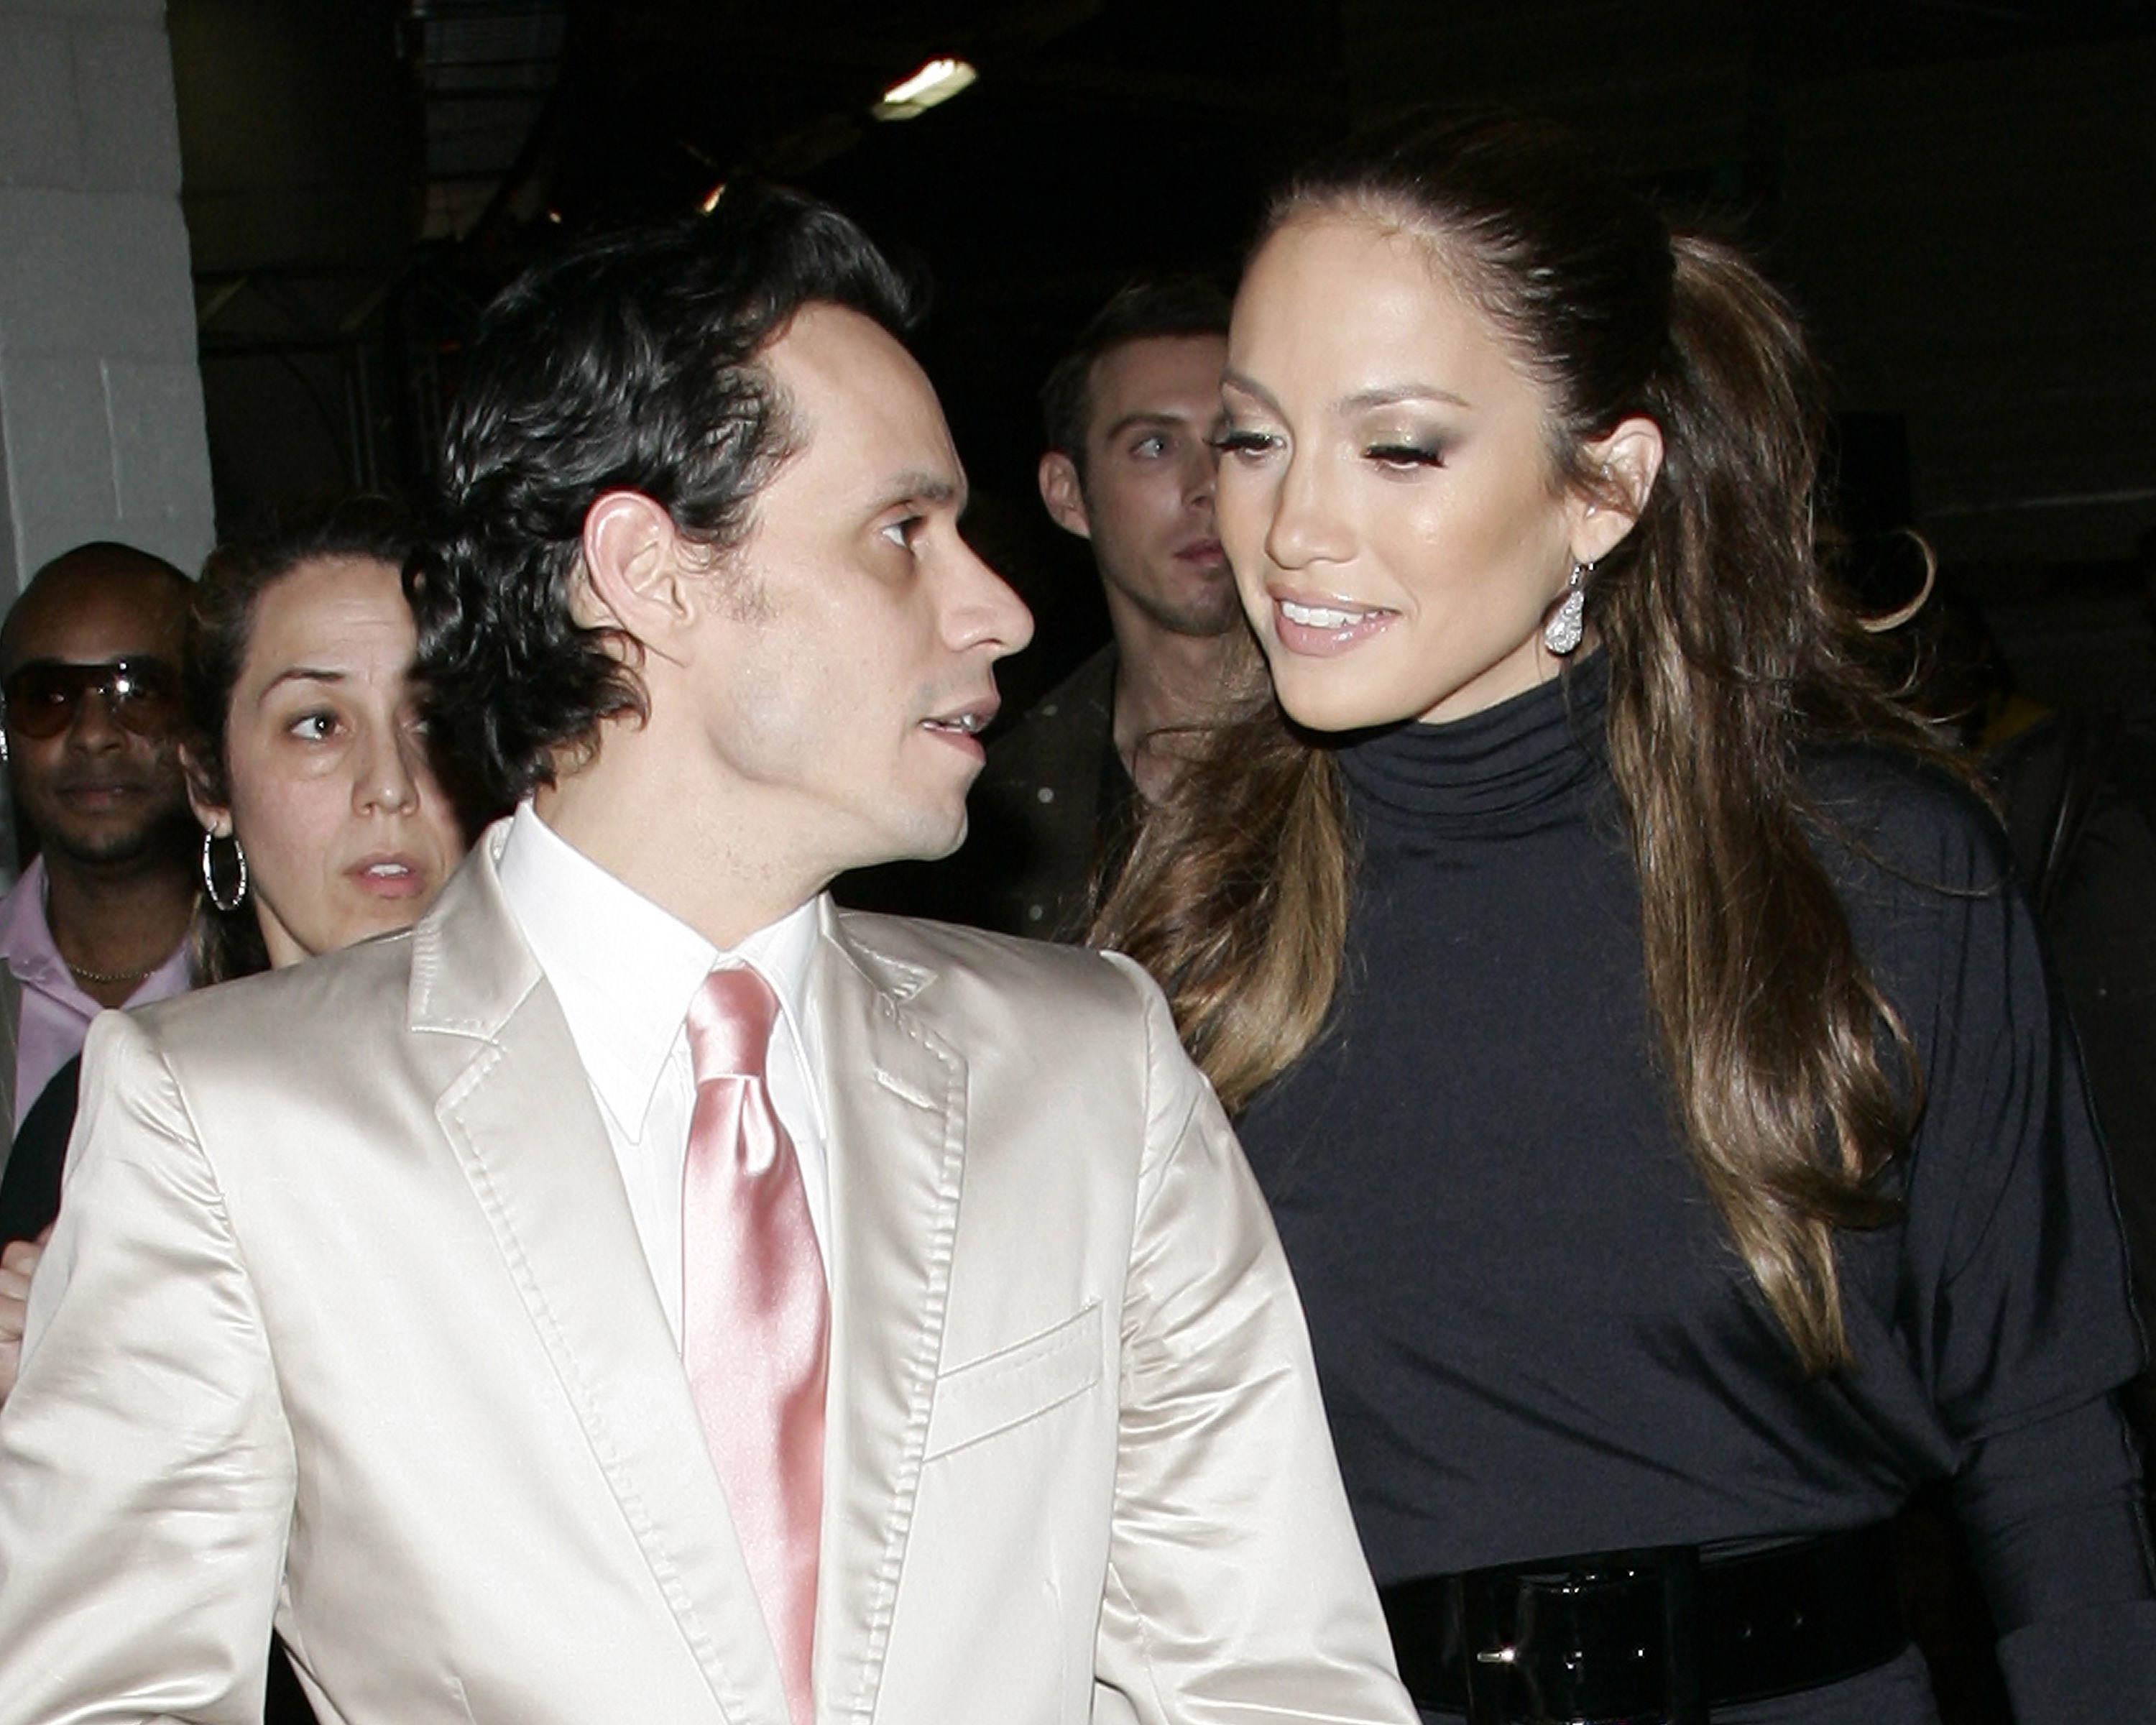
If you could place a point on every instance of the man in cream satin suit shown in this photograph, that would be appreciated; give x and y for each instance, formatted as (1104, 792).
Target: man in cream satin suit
(365, 1314)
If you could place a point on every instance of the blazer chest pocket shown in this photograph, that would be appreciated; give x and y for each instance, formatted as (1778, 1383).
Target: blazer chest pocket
(1017, 1383)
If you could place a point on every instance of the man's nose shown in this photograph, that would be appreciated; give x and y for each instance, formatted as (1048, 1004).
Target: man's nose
(987, 611)
(95, 725)
(1201, 472)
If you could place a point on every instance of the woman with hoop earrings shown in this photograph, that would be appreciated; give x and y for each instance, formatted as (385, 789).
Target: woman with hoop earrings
(306, 749)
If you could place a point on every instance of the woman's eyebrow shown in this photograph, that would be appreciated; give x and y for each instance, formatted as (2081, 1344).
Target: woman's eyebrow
(301, 674)
(1385, 395)
(1392, 395)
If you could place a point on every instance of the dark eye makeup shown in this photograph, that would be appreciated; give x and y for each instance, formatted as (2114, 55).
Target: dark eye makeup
(1406, 454)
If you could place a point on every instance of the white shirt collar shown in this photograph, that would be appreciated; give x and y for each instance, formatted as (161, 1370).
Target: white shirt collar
(625, 971)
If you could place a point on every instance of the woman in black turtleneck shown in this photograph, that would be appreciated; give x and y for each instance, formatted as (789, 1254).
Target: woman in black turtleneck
(1652, 1068)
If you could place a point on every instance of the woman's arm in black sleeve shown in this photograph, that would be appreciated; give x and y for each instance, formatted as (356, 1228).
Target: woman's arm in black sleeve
(2018, 1317)
(2058, 1529)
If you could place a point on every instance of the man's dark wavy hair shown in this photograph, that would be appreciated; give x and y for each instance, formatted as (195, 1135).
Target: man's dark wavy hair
(1141, 310)
(630, 362)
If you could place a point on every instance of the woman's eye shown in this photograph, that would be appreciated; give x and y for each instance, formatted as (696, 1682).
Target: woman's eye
(1405, 454)
(313, 728)
(1244, 444)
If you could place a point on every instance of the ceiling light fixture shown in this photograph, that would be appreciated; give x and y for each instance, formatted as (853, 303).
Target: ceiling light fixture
(712, 196)
(937, 81)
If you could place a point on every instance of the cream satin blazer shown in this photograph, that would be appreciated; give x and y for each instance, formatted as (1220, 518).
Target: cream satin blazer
(346, 1327)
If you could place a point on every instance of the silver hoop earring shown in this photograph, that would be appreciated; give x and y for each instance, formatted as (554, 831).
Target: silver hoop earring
(1562, 632)
(209, 875)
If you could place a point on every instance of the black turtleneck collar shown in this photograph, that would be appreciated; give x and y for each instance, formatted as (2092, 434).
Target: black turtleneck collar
(1490, 771)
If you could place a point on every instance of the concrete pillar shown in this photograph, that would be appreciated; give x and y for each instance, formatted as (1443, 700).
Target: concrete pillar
(102, 432)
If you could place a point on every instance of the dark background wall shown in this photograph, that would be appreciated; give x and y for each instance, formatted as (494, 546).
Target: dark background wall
(1962, 196)
(300, 188)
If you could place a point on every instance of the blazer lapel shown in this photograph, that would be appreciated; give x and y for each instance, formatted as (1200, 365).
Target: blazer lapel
(520, 1115)
(897, 1123)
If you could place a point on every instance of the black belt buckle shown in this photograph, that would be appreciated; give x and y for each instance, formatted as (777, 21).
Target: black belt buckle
(1614, 1641)
(1660, 1635)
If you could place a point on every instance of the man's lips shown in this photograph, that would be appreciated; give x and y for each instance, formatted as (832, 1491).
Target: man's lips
(1206, 553)
(97, 791)
(961, 725)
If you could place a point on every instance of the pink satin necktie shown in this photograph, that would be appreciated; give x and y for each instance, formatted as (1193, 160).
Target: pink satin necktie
(755, 1312)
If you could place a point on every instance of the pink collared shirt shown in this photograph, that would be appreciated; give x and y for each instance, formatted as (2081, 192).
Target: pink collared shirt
(56, 1013)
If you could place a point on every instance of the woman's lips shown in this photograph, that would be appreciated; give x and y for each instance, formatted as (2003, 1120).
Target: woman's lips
(394, 877)
(1321, 628)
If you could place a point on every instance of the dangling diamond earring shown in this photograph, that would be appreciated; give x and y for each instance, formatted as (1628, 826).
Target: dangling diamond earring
(1568, 623)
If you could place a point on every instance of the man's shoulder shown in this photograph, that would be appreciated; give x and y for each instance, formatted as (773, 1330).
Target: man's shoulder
(465, 969)
(323, 1002)
(1035, 814)
(1083, 1036)
(979, 981)
(912, 952)
(1083, 701)
(1066, 730)
(22, 914)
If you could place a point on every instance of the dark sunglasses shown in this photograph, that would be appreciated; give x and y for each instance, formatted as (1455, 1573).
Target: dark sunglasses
(142, 694)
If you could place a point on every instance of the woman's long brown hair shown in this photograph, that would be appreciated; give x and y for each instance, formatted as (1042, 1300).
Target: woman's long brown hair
(1729, 654)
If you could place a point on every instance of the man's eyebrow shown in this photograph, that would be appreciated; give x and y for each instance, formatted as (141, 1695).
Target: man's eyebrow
(1161, 418)
(922, 487)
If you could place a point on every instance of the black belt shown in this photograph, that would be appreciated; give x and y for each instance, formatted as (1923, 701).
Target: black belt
(1665, 1634)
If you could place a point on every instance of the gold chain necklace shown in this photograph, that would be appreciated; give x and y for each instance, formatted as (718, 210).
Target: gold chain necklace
(83, 973)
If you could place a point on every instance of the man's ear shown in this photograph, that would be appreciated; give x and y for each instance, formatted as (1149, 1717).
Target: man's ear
(1626, 464)
(1064, 494)
(212, 815)
(631, 578)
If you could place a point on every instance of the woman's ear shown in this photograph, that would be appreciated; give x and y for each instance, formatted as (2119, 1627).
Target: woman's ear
(216, 818)
(1625, 464)
(631, 578)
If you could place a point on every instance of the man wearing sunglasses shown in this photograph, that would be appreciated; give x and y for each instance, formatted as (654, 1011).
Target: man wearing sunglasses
(89, 662)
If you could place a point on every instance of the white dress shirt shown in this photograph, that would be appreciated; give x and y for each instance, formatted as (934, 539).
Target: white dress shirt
(624, 972)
